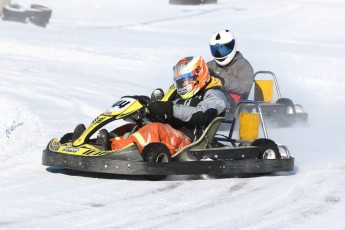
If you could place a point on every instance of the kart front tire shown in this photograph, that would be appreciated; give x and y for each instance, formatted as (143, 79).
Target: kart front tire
(78, 131)
(66, 138)
(156, 152)
(268, 149)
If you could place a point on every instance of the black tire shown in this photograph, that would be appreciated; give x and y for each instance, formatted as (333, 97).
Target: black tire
(14, 12)
(209, 1)
(39, 15)
(78, 131)
(185, 2)
(68, 137)
(47, 11)
(268, 149)
(36, 16)
(156, 152)
(288, 104)
(103, 140)
(157, 95)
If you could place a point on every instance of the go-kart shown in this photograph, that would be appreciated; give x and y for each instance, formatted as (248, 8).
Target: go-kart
(211, 153)
(282, 113)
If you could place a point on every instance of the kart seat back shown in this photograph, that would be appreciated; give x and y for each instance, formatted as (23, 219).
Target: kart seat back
(249, 126)
(204, 140)
(263, 90)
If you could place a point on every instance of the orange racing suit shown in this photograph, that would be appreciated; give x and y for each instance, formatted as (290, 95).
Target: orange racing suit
(199, 110)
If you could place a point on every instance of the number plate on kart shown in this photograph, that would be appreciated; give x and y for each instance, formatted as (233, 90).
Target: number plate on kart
(121, 105)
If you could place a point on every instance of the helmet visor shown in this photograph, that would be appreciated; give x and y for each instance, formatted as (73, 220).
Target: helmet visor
(184, 82)
(222, 50)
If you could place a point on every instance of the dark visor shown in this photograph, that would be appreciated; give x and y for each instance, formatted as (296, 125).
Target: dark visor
(222, 50)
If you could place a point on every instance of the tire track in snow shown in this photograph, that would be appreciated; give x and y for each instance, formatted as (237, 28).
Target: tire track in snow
(65, 210)
(166, 188)
(308, 196)
(301, 197)
(190, 204)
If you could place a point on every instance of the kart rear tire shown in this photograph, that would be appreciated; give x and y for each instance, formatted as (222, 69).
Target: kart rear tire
(289, 105)
(268, 149)
(156, 152)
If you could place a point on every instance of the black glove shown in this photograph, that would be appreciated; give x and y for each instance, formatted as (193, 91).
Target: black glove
(161, 109)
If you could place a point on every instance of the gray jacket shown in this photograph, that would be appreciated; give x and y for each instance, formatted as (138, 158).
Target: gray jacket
(198, 111)
(206, 108)
(191, 116)
(238, 75)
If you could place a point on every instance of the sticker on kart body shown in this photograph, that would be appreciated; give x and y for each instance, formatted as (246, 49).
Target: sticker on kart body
(71, 149)
(55, 145)
(98, 120)
(120, 105)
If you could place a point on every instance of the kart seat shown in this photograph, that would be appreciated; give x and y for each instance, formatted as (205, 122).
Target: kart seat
(204, 141)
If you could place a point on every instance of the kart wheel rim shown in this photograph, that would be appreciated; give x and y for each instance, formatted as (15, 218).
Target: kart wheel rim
(289, 110)
(269, 154)
(299, 109)
(162, 158)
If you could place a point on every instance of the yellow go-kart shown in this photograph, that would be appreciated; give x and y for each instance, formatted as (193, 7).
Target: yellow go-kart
(211, 153)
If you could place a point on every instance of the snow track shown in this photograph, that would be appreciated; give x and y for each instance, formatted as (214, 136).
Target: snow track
(54, 78)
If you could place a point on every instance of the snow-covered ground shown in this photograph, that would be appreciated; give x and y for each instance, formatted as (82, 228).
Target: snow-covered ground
(94, 52)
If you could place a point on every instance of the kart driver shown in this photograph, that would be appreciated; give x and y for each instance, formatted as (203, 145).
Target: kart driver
(231, 67)
(199, 100)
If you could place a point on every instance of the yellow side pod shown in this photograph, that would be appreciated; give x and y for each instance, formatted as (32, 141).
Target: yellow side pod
(249, 126)
(263, 90)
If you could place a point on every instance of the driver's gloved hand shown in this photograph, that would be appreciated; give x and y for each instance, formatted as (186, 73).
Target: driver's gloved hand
(161, 109)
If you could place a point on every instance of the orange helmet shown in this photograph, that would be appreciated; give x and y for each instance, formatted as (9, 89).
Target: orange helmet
(190, 75)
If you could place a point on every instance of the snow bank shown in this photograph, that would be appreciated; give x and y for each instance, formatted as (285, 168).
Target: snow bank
(93, 52)
(19, 130)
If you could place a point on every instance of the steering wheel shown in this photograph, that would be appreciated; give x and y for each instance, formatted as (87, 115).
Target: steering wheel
(144, 100)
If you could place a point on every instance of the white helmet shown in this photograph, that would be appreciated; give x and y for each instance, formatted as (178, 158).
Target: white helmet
(223, 47)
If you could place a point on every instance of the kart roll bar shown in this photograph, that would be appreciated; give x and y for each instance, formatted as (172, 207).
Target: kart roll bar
(274, 79)
(238, 109)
